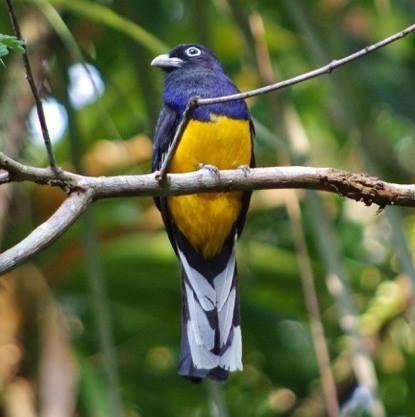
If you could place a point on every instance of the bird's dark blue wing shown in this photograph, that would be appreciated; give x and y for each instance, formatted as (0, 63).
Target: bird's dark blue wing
(163, 137)
(165, 128)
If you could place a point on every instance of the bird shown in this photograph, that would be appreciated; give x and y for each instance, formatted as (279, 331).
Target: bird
(203, 228)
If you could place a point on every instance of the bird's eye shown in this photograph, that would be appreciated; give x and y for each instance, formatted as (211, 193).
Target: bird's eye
(192, 51)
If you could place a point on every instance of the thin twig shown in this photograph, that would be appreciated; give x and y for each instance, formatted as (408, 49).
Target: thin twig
(194, 102)
(15, 171)
(326, 69)
(31, 81)
(191, 105)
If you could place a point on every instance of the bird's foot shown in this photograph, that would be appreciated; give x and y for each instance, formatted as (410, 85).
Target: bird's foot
(158, 176)
(245, 169)
(213, 170)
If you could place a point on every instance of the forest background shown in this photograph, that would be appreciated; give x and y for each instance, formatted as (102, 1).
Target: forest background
(90, 327)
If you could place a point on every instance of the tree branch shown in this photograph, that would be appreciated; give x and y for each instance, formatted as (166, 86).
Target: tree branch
(15, 171)
(359, 187)
(194, 102)
(47, 232)
(84, 190)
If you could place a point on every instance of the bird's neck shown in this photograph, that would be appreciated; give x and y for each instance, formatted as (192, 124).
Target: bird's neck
(179, 88)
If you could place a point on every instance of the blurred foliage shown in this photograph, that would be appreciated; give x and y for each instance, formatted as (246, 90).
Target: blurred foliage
(363, 111)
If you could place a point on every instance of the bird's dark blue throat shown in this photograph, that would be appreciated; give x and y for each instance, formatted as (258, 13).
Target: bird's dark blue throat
(193, 70)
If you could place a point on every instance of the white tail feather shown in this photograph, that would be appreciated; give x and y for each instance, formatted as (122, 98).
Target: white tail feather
(202, 297)
(231, 360)
(201, 357)
(204, 334)
(205, 293)
(223, 281)
(226, 317)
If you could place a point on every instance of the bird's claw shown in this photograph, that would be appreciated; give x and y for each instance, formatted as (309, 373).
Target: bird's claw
(213, 170)
(245, 169)
(157, 175)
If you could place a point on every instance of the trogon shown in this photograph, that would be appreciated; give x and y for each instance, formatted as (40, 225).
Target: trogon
(203, 228)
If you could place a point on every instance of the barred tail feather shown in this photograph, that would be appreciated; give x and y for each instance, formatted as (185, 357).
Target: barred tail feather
(211, 334)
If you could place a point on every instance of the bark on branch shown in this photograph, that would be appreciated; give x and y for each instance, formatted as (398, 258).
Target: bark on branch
(358, 186)
(83, 190)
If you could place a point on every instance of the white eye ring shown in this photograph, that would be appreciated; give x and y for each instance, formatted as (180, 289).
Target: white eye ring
(192, 51)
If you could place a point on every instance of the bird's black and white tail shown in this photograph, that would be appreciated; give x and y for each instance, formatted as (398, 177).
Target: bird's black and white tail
(211, 343)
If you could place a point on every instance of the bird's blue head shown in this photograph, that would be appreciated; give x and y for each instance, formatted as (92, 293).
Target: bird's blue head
(187, 57)
(193, 70)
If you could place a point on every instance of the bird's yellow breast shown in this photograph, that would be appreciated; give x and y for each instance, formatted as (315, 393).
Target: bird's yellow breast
(207, 219)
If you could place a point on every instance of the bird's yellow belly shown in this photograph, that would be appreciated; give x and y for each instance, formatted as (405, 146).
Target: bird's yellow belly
(207, 219)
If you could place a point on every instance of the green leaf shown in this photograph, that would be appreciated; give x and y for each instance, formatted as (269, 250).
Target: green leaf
(3, 50)
(7, 43)
(12, 42)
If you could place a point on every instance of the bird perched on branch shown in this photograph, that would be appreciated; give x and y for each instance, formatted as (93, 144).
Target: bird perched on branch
(203, 228)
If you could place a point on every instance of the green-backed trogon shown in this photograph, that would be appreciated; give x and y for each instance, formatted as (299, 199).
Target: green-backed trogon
(203, 228)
